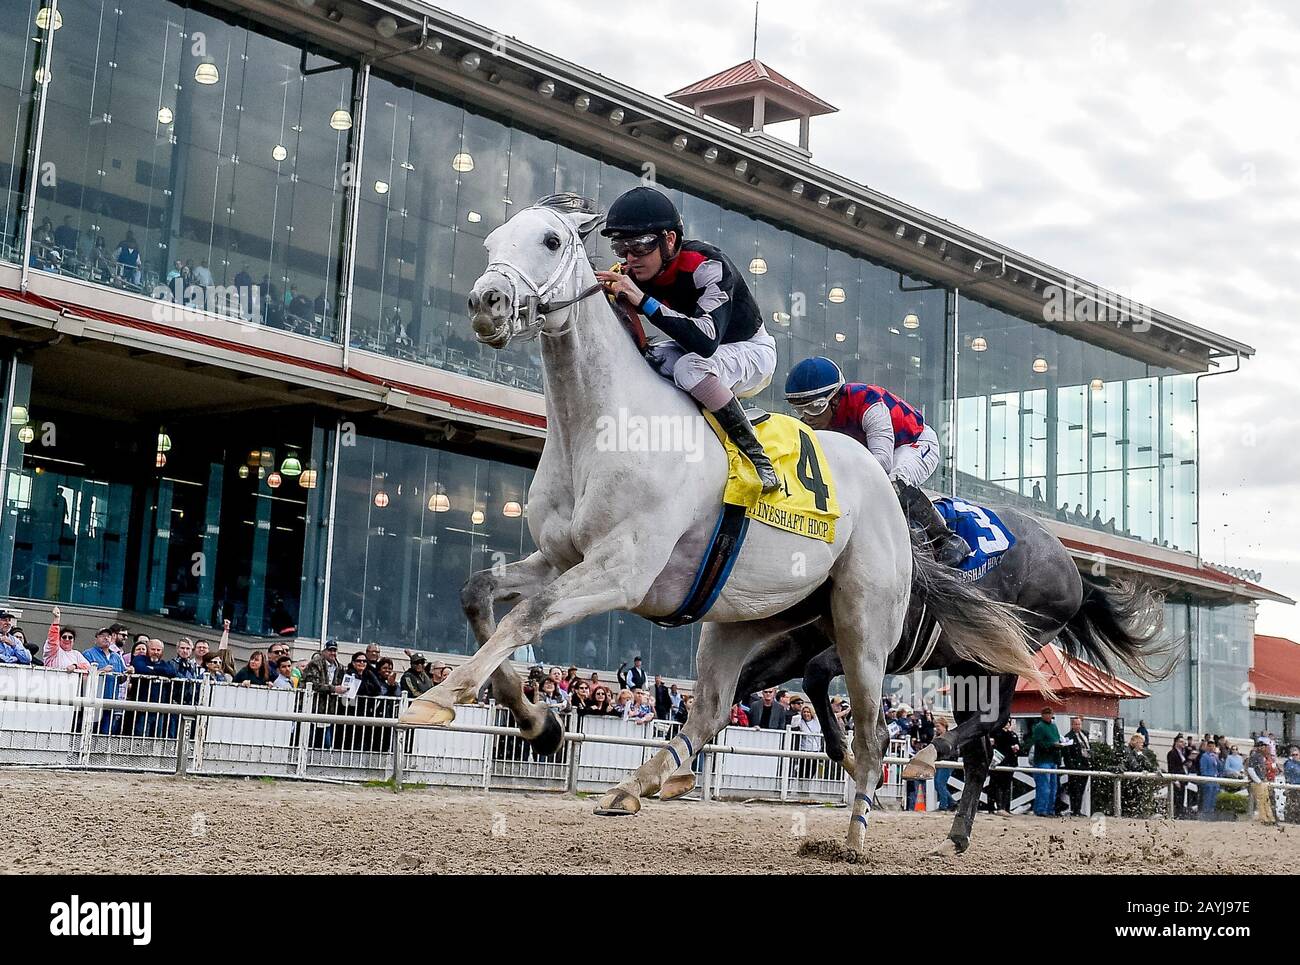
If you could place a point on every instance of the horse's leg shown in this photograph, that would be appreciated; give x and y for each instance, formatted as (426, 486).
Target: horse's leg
(478, 597)
(867, 627)
(817, 677)
(772, 662)
(974, 725)
(723, 650)
(974, 721)
(610, 578)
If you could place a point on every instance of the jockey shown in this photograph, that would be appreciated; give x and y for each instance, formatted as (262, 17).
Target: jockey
(720, 352)
(893, 431)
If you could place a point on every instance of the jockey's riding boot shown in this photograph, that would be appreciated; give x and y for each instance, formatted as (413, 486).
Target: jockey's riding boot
(948, 548)
(736, 425)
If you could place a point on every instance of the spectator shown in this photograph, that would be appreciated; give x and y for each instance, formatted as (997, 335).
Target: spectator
(1045, 752)
(33, 650)
(1006, 753)
(212, 670)
(1233, 763)
(324, 674)
(570, 679)
(1142, 729)
(151, 674)
(739, 716)
(1077, 756)
(12, 648)
(766, 713)
(675, 699)
(203, 279)
(623, 704)
(552, 696)
(417, 680)
(60, 648)
(600, 702)
(580, 696)
(636, 676)
(114, 668)
(273, 654)
(372, 656)
(128, 260)
(840, 708)
(283, 674)
(387, 674)
(809, 729)
(1261, 788)
(1176, 763)
(65, 236)
(254, 671)
(1209, 765)
(663, 699)
(683, 712)
(943, 796)
(438, 672)
(642, 707)
(1291, 774)
(360, 685)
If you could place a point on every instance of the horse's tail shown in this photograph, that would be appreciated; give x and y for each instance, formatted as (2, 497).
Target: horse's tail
(1120, 622)
(975, 626)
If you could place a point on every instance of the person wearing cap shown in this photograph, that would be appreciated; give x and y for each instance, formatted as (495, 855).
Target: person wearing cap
(438, 671)
(719, 351)
(894, 432)
(1261, 786)
(417, 680)
(635, 676)
(110, 663)
(12, 649)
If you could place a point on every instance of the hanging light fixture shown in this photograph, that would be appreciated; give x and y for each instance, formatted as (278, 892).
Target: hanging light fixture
(911, 320)
(977, 344)
(710, 154)
(381, 187)
(781, 318)
(292, 465)
(1040, 365)
(43, 19)
(439, 503)
(160, 460)
(164, 441)
(1097, 385)
(207, 74)
(42, 76)
(165, 115)
(26, 434)
(477, 517)
(840, 336)
(308, 479)
(758, 267)
(462, 163)
(279, 152)
(274, 480)
(18, 415)
(341, 120)
(266, 459)
(581, 102)
(381, 499)
(836, 295)
(473, 217)
(243, 472)
(512, 510)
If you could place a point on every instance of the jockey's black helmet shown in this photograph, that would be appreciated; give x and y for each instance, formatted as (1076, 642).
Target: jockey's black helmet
(641, 211)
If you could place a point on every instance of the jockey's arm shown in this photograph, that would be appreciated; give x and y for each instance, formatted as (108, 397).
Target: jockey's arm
(878, 428)
(700, 332)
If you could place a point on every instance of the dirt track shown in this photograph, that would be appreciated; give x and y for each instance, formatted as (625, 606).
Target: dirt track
(224, 825)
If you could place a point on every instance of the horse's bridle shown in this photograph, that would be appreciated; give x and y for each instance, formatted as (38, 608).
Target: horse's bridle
(530, 311)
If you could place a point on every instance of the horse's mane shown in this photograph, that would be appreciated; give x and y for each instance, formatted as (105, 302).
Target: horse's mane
(568, 201)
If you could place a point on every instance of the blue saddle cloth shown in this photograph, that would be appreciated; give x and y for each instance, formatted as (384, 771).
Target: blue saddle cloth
(987, 536)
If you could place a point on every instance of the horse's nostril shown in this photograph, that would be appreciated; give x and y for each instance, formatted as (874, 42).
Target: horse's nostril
(474, 302)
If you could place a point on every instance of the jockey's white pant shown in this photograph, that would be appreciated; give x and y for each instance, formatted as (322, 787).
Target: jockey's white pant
(916, 462)
(744, 367)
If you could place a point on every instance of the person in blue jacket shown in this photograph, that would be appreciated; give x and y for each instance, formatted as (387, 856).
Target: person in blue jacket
(108, 662)
(12, 649)
(1209, 765)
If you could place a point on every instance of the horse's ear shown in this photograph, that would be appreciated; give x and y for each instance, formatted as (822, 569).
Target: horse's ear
(582, 212)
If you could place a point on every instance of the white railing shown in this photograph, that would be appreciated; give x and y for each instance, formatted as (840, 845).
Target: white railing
(103, 721)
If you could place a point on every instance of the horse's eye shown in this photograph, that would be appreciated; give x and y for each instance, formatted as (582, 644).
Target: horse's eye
(553, 241)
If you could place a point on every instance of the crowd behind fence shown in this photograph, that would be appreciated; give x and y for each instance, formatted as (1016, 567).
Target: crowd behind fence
(107, 721)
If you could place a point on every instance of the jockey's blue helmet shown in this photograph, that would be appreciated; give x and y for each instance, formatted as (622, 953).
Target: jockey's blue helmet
(814, 380)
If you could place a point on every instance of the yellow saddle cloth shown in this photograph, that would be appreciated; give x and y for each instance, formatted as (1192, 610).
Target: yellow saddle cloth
(805, 504)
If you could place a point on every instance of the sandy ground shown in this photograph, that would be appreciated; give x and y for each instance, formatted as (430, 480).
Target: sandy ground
(230, 826)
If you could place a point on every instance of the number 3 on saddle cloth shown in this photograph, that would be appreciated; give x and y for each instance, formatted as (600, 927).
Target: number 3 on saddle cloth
(986, 535)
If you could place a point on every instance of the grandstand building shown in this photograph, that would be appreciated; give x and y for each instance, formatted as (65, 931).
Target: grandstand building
(307, 440)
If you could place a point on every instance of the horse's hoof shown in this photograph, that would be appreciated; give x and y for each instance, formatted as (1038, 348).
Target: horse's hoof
(427, 712)
(676, 787)
(921, 766)
(947, 849)
(550, 739)
(618, 803)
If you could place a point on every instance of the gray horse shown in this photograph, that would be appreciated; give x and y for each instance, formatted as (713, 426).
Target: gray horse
(1109, 623)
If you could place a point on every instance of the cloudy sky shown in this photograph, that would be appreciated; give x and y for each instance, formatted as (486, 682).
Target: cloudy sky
(1150, 147)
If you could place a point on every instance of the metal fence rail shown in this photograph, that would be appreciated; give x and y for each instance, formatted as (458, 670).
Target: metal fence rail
(106, 721)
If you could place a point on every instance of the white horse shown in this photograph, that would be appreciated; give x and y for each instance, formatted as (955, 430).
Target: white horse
(626, 530)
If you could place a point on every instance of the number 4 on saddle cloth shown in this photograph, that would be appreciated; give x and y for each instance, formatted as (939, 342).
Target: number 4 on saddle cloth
(986, 535)
(805, 504)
